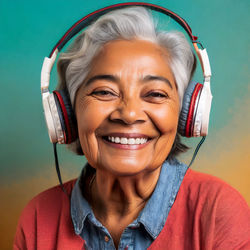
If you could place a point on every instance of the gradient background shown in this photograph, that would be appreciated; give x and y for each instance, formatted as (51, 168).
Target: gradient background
(29, 30)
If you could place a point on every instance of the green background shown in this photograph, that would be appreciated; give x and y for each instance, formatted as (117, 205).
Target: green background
(29, 30)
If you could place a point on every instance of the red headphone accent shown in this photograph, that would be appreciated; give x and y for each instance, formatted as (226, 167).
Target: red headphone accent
(68, 135)
(190, 116)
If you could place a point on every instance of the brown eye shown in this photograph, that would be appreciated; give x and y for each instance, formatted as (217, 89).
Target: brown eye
(103, 93)
(157, 94)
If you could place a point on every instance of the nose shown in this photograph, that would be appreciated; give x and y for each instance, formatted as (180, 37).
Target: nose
(129, 112)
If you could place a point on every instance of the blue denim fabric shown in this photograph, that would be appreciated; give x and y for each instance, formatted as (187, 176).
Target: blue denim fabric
(141, 232)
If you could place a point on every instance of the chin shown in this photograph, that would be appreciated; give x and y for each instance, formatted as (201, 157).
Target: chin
(127, 166)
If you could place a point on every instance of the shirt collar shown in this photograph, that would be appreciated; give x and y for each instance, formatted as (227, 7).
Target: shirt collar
(154, 214)
(80, 208)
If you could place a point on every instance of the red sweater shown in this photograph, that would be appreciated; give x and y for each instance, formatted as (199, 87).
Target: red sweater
(207, 214)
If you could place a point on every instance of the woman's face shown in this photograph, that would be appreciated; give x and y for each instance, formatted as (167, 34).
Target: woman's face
(127, 108)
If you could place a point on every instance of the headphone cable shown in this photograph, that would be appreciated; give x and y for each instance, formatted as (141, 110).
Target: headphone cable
(196, 150)
(58, 169)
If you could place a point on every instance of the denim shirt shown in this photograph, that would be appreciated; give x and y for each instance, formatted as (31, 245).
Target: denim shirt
(141, 232)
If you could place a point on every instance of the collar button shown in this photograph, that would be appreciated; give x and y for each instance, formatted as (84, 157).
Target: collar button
(106, 238)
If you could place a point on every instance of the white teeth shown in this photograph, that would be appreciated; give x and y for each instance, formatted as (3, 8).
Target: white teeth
(124, 140)
(137, 141)
(129, 141)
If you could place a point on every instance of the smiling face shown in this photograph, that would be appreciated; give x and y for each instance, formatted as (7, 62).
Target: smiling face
(127, 109)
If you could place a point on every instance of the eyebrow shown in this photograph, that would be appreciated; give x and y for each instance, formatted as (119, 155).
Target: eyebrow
(110, 78)
(157, 78)
(115, 79)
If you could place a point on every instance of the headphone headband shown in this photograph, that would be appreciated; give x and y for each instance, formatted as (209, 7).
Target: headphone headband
(88, 19)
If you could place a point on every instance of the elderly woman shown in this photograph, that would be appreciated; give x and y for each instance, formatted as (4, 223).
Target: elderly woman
(126, 83)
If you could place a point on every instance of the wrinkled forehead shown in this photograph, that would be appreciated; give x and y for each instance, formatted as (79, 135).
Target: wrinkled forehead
(130, 56)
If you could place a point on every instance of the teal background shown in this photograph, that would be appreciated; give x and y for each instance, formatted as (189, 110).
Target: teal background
(29, 30)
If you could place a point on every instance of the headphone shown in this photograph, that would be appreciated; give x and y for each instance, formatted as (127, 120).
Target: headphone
(59, 115)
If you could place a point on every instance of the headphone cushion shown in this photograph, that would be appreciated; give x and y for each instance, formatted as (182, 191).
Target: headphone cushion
(191, 118)
(188, 107)
(67, 115)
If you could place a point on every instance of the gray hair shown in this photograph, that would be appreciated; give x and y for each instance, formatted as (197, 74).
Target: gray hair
(127, 23)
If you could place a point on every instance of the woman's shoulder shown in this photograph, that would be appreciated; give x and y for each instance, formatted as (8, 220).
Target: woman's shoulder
(47, 214)
(205, 186)
(46, 222)
(207, 196)
(52, 194)
(49, 202)
(215, 214)
(203, 180)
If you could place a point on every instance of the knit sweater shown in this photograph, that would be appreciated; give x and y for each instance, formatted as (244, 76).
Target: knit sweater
(207, 214)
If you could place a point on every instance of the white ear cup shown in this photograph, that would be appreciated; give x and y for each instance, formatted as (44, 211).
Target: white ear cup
(193, 132)
(201, 116)
(207, 108)
(52, 119)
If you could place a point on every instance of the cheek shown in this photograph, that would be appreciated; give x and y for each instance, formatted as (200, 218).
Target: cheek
(87, 124)
(87, 119)
(90, 116)
(166, 119)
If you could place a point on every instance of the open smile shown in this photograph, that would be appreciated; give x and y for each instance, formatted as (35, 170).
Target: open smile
(127, 141)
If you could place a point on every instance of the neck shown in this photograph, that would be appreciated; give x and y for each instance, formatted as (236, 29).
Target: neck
(121, 196)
